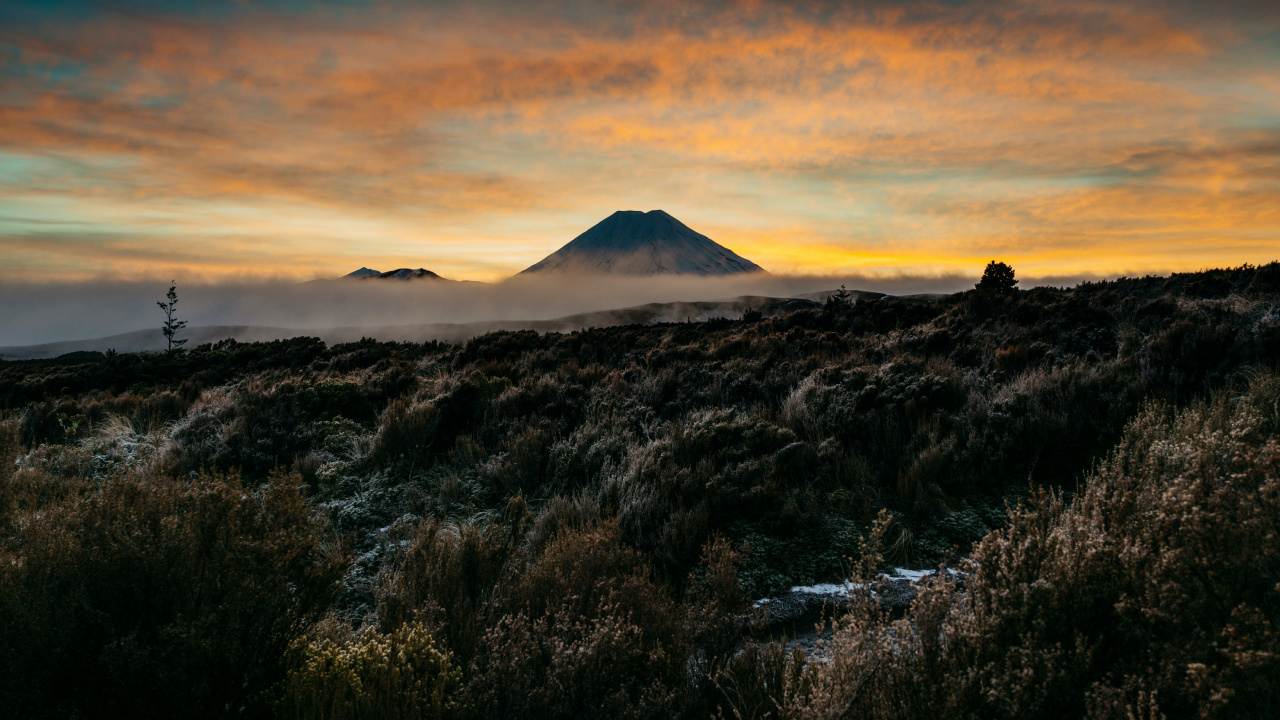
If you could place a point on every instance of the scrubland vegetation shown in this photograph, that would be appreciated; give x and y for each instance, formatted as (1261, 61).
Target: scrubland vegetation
(575, 526)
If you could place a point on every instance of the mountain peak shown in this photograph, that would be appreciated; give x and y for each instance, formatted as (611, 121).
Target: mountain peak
(410, 274)
(632, 242)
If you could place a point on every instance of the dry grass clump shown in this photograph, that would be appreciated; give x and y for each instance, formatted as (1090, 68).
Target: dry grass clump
(581, 627)
(447, 577)
(587, 633)
(406, 430)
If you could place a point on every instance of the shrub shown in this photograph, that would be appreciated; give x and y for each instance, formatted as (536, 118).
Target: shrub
(567, 666)
(406, 430)
(590, 635)
(1152, 595)
(447, 576)
(580, 572)
(400, 676)
(1012, 358)
(156, 597)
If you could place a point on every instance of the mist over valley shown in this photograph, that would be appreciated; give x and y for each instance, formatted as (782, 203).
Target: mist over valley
(614, 273)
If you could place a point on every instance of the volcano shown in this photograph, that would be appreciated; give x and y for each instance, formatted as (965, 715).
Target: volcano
(631, 242)
(401, 274)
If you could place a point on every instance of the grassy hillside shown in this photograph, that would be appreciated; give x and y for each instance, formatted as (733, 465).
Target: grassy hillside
(574, 525)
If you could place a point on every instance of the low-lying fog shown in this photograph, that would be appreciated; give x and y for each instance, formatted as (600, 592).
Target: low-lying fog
(45, 313)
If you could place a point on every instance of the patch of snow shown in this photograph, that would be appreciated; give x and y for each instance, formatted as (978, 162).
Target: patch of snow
(843, 588)
(912, 575)
(887, 582)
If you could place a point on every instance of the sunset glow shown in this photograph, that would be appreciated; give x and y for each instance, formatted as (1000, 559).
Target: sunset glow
(296, 140)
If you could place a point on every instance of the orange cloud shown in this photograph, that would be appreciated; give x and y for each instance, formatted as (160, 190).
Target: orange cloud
(1073, 135)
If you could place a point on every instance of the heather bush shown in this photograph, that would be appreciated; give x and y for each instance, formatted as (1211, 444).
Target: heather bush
(258, 426)
(716, 619)
(564, 665)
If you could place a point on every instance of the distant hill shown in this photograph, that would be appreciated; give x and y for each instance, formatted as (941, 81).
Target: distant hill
(823, 295)
(400, 274)
(630, 242)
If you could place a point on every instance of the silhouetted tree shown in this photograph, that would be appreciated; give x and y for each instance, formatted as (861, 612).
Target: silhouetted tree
(998, 278)
(172, 325)
(839, 298)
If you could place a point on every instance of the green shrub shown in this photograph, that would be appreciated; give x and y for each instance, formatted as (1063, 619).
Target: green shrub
(401, 675)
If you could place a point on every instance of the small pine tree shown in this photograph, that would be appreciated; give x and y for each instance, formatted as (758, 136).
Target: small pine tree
(172, 325)
(839, 299)
(998, 278)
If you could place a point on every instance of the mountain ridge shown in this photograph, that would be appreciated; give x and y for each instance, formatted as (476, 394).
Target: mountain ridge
(365, 273)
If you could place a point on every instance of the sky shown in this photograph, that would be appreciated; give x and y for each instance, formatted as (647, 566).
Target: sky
(293, 140)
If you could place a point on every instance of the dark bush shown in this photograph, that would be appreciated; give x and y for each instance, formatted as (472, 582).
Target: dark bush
(447, 578)
(159, 598)
(589, 634)
(406, 430)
